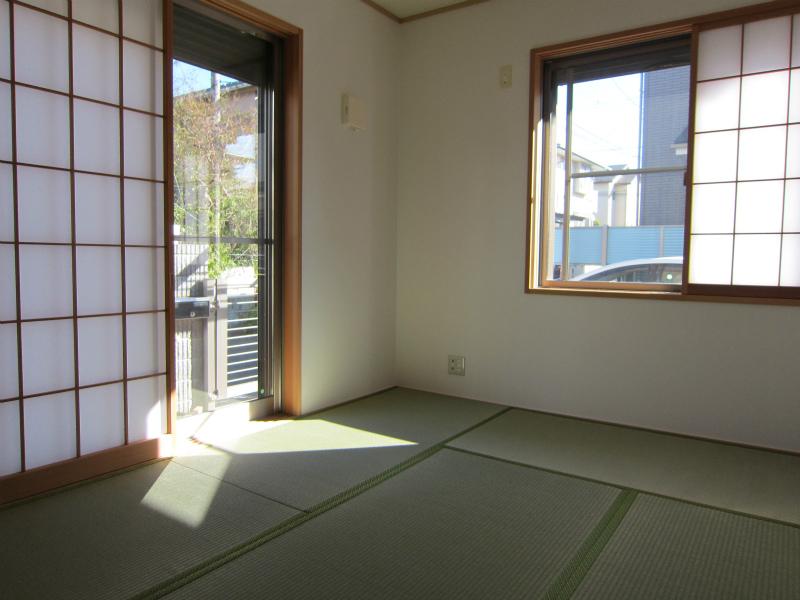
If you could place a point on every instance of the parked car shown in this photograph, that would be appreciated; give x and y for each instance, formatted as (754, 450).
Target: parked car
(666, 269)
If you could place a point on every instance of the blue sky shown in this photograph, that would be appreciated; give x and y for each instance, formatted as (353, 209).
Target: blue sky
(188, 78)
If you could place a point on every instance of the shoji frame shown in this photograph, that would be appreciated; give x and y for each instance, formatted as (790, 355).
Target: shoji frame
(536, 233)
(289, 135)
(743, 292)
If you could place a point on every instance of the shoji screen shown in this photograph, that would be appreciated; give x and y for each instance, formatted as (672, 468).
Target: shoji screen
(745, 226)
(82, 313)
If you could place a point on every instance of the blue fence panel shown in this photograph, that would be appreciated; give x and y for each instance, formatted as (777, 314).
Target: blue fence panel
(627, 243)
(673, 241)
(624, 243)
(585, 245)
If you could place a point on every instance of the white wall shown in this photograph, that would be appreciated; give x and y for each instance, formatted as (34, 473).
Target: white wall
(349, 198)
(716, 370)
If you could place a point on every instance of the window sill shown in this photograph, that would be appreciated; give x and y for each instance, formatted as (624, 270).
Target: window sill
(652, 295)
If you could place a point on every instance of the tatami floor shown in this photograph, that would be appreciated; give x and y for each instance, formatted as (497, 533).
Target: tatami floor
(408, 494)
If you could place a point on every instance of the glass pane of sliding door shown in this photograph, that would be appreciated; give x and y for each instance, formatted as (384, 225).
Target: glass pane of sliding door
(222, 217)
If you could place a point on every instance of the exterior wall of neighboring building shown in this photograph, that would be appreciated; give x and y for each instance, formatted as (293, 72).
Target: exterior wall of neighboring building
(665, 105)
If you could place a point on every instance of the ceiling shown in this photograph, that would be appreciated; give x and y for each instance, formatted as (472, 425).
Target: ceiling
(402, 9)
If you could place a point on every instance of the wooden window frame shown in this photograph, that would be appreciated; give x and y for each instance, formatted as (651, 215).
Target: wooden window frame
(535, 280)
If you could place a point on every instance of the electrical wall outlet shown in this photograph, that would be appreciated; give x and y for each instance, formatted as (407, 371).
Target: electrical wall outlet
(456, 365)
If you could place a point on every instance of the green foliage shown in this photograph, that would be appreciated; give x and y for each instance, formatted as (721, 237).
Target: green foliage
(216, 189)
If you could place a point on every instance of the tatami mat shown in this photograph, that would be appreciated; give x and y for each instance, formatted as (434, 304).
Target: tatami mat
(452, 526)
(448, 524)
(119, 536)
(752, 481)
(672, 550)
(305, 461)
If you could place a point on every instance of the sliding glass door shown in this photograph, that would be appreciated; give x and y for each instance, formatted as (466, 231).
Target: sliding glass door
(223, 106)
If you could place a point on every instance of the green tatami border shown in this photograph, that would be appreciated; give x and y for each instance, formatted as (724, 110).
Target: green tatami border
(640, 428)
(574, 573)
(628, 488)
(181, 579)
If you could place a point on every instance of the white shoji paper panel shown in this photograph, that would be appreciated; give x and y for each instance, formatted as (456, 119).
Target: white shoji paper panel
(759, 207)
(766, 45)
(793, 152)
(719, 53)
(144, 213)
(143, 86)
(715, 157)
(6, 204)
(762, 153)
(42, 116)
(5, 49)
(44, 205)
(99, 350)
(41, 49)
(141, 20)
(794, 96)
(49, 429)
(9, 376)
(43, 138)
(791, 207)
(97, 209)
(9, 438)
(47, 356)
(711, 257)
(717, 105)
(144, 278)
(756, 259)
(56, 6)
(100, 13)
(765, 99)
(713, 207)
(99, 280)
(146, 344)
(102, 418)
(144, 155)
(5, 121)
(768, 151)
(790, 260)
(8, 291)
(95, 64)
(146, 405)
(45, 281)
(96, 137)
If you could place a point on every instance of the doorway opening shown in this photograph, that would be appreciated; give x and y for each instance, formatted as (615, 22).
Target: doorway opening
(226, 225)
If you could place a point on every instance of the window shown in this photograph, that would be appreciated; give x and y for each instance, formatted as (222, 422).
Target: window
(666, 160)
(614, 182)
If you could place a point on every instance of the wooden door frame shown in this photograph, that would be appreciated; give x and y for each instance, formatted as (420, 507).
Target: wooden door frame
(291, 169)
